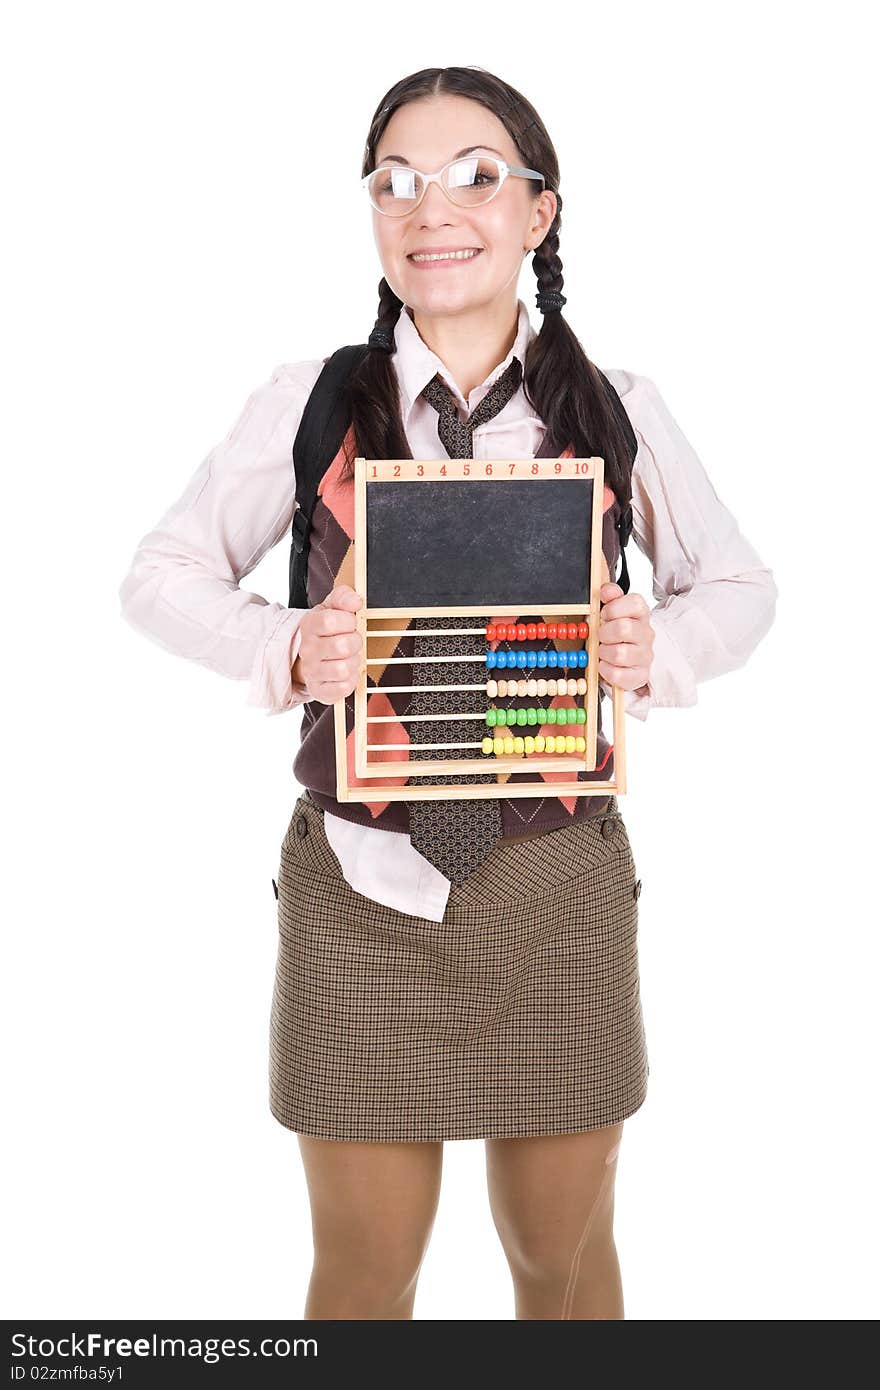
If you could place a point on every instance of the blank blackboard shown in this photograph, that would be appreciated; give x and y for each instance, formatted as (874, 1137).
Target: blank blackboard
(478, 542)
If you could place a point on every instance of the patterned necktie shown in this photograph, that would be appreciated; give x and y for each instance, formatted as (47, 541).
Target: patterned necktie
(457, 835)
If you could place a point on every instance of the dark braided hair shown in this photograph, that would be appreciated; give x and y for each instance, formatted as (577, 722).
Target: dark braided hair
(560, 382)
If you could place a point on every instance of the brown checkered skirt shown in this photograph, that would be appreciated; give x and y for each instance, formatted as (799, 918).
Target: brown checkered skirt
(518, 1014)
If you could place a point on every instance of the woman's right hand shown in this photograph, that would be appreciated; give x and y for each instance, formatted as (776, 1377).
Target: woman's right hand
(331, 649)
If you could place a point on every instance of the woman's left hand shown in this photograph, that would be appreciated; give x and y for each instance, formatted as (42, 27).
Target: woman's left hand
(626, 638)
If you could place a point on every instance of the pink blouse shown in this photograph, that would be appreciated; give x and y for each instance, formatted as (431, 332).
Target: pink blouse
(716, 597)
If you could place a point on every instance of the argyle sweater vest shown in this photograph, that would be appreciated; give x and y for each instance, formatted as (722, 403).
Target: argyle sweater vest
(331, 562)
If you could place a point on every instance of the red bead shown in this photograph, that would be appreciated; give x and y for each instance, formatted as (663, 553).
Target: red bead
(542, 630)
(572, 629)
(583, 629)
(551, 629)
(521, 632)
(531, 631)
(490, 632)
(505, 633)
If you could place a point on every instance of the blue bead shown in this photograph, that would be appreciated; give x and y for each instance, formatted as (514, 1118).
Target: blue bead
(553, 657)
(542, 659)
(531, 659)
(491, 659)
(501, 658)
(521, 659)
(582, 658)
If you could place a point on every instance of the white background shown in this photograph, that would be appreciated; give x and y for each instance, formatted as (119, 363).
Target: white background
(167, 244)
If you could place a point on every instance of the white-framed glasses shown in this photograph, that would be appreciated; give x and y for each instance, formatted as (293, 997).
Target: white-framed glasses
(396, 189)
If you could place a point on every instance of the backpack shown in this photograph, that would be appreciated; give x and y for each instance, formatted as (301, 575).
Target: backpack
(322, 429)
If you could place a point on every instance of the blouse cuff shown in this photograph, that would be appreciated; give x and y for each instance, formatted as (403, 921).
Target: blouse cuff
(272, 686)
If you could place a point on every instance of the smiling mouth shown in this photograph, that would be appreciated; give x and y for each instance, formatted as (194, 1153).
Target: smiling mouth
(445, 257)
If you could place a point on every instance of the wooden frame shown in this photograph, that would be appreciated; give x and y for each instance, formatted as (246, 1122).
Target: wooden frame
(527, 471)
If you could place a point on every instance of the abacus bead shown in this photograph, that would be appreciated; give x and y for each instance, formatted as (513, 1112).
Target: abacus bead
(580, 745)
(532, 687)
(542, 687)
(541, 715)
(490, 632)
(531, 631)
(498, 745)
(491, 689)
(491, 717)
(540, 743)
(531, 660)
(519, 745)
(550, 744)
(551, 715)
(572, 629)
(522, 659)
(521, 632)
(487, 745)
(572, 687)
(502, 687)
(541, 631)
(581, 715)
(551, 629)
(501, 717)
(531, 715)
(569, 744)
(553, 657)
(582, 686)
(492, 660)
(583, 630)
(530, 743)
(522, 687)
(542, 660)
(511, 717)
(508, 744)
(553, 687)
(582, 658)
(522, 716)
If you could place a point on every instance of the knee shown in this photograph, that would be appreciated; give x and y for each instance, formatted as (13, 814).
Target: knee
(542, 1254)
(369, 1264)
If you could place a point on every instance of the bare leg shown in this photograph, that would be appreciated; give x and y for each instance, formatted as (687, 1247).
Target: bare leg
(373, 1207)
(552, 1201)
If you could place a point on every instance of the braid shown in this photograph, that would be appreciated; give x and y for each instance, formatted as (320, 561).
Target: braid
(546, 261)
(382, 336)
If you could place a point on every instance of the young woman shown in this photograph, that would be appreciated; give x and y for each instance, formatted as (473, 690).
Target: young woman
(417, 1000)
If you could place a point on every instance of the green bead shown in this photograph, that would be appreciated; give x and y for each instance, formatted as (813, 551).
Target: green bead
(542, 715)
(491, 717)
(582, 715)
(521, 717)
(551, 715)
(532, 715)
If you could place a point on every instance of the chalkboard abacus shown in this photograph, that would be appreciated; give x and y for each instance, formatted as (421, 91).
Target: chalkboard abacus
(520, 540)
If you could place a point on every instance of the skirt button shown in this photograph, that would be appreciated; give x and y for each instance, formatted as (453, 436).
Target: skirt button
(302, 827)
(607, 829)
(638, 888)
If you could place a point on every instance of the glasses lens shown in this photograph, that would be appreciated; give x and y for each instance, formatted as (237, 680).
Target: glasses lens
(397, 189)
(473, 180)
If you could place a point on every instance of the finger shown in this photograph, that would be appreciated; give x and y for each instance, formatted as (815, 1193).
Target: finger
(623, 605)
(626, 629)
(628, 678)
(623, 654)
(343, 597)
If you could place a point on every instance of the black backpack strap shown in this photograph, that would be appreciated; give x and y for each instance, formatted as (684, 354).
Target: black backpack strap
(322, 429)
(625, 523)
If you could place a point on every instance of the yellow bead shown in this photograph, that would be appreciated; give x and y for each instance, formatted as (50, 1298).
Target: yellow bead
(540, 743)
(487, 745)
(550, 743)
(569, 743)
(498, 745)
(508, 745)
(530, 743)
(581, 745)
(519, 745)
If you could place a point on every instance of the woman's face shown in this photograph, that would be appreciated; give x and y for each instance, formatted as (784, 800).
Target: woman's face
(428, 133)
